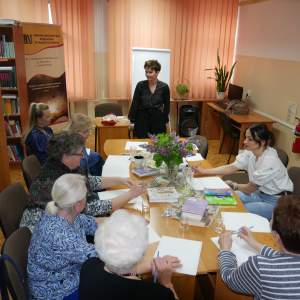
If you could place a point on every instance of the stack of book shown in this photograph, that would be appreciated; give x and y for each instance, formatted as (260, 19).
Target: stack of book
(194, 209)
(220, 196)
(13, 129)
(7, 49)
(8, 77)
(163, 194)
(15, 152)
(146, 171)
(11, 104)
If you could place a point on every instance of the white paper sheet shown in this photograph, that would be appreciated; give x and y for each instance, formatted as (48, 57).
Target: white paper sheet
(88, 151)
(195, 147)
(186, 250)
(197, 157)
(128, 144)
(209, 182)
(153, 236)
(116, 165)
(115, 193)
(239, 247)
(234, 221)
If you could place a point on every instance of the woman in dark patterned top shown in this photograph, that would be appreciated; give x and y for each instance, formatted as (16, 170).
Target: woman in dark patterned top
(37, 132)
(150, 105)
(65, 152)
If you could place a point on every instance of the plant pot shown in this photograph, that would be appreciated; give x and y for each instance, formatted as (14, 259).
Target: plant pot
(171, 173)
(220, 95)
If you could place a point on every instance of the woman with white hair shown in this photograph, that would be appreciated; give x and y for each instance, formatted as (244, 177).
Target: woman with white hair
(121, 242)
(58, 246)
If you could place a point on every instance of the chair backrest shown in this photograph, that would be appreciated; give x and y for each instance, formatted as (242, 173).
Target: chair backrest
(294, 174)
(30, 167)
(28, 152)
(12, 203)
(203, 148)
(107, 108)
(225, 123)
(16, 246)
(282, 155)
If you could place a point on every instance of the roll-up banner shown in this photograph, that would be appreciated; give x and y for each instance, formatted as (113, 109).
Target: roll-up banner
(45, 68)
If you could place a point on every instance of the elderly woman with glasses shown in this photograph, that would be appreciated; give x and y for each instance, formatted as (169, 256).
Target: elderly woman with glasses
(121, 242)
(92, 162)
(58, 246)
(65, 151)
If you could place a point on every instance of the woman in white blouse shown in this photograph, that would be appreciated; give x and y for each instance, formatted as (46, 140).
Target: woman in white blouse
(268, 177)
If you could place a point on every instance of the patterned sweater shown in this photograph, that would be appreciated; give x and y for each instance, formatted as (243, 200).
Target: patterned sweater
(40, 193)
(271, 275)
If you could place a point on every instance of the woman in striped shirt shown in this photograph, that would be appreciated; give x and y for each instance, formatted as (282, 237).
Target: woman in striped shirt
(272, 274)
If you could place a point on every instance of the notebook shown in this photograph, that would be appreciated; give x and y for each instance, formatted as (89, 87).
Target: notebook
(115, 193)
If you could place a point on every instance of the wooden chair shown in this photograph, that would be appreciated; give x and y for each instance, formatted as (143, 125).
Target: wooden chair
(13, 200)
(104, 109)
(30, 167)
(16, 246)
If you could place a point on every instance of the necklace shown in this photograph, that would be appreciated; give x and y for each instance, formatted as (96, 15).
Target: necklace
(128, 274)
(41, 129)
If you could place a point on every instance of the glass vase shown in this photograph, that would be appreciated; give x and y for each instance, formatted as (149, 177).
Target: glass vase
(171, 172)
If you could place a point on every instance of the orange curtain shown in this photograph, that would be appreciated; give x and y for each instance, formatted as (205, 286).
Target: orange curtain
(33, 11)
(192, 29)
(76, 18)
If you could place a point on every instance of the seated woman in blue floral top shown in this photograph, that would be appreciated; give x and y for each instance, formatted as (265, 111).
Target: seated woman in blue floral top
(58, 245)
(37, 133)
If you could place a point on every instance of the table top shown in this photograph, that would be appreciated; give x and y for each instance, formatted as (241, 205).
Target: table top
(170, 227)
(252, 117)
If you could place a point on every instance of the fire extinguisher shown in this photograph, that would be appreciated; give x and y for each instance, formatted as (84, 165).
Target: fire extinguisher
(296, 143)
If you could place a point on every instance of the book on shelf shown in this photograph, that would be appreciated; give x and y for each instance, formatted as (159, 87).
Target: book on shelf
(221, 200)
(15, 152)
(218, 192)
(163, 194)
(13, 129)
(11, 104)
(194, 208)
(7, 47)
(8, 77)
(146, 171)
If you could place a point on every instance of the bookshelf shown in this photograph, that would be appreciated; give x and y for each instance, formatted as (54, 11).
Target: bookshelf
(14, 34)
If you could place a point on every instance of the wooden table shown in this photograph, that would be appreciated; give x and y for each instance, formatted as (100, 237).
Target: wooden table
(208, 263)
(214, 130)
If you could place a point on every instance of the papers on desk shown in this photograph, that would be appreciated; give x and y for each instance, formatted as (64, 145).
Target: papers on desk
(116, 165)
(234, 221)
(240, 248)
(186, 250)
(128, 144)
(209, 182)
(197, 157)
(115, 193)
(195, 147)
(153, 236)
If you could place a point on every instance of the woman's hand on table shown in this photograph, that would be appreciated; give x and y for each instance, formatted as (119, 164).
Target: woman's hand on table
(126, 181)
(199, 170)
(164, 270)
(225, 241)
(137, 189)
(248, 236)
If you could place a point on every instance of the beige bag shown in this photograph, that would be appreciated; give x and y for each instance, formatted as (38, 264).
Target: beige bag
(239, 107)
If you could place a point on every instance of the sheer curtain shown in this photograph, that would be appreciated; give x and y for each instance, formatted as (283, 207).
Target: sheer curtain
(192, 29)
(76, 18)
(34, 11)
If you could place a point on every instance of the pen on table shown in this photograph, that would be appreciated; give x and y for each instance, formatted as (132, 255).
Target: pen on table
(125, 154)
(197, 165)
(155, 275)
(241, 230)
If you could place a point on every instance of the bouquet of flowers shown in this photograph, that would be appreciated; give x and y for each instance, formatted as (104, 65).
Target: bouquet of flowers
(170, 149)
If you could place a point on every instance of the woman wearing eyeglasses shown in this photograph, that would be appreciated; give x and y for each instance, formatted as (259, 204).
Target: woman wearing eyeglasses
(92, 162)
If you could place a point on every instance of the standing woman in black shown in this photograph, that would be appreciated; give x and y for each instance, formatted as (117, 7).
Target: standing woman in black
(149, 111)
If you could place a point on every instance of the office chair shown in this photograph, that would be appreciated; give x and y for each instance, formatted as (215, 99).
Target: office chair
(243, 178)
(13, 200)
(228, 130)
(16, 246)
(30, 167)
(104, 109)
(203, 148)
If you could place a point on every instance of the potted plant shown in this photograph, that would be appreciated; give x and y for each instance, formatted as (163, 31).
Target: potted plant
(222, 77)
(181, 90)
(168, 148)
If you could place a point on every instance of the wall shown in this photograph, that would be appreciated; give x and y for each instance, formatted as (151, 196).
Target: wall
(268, 62)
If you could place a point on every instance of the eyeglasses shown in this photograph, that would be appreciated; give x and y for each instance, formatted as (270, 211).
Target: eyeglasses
(86, 132)
(81, 154)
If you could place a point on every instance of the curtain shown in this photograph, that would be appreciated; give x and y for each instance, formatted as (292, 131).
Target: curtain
(33, 11)
(193, 29)
(76, 18)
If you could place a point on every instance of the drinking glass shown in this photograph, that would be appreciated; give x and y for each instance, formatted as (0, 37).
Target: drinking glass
(167, 209)
(219, 224)
(145, 205)
(190, 177)
(184, 223)
(132, 152)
